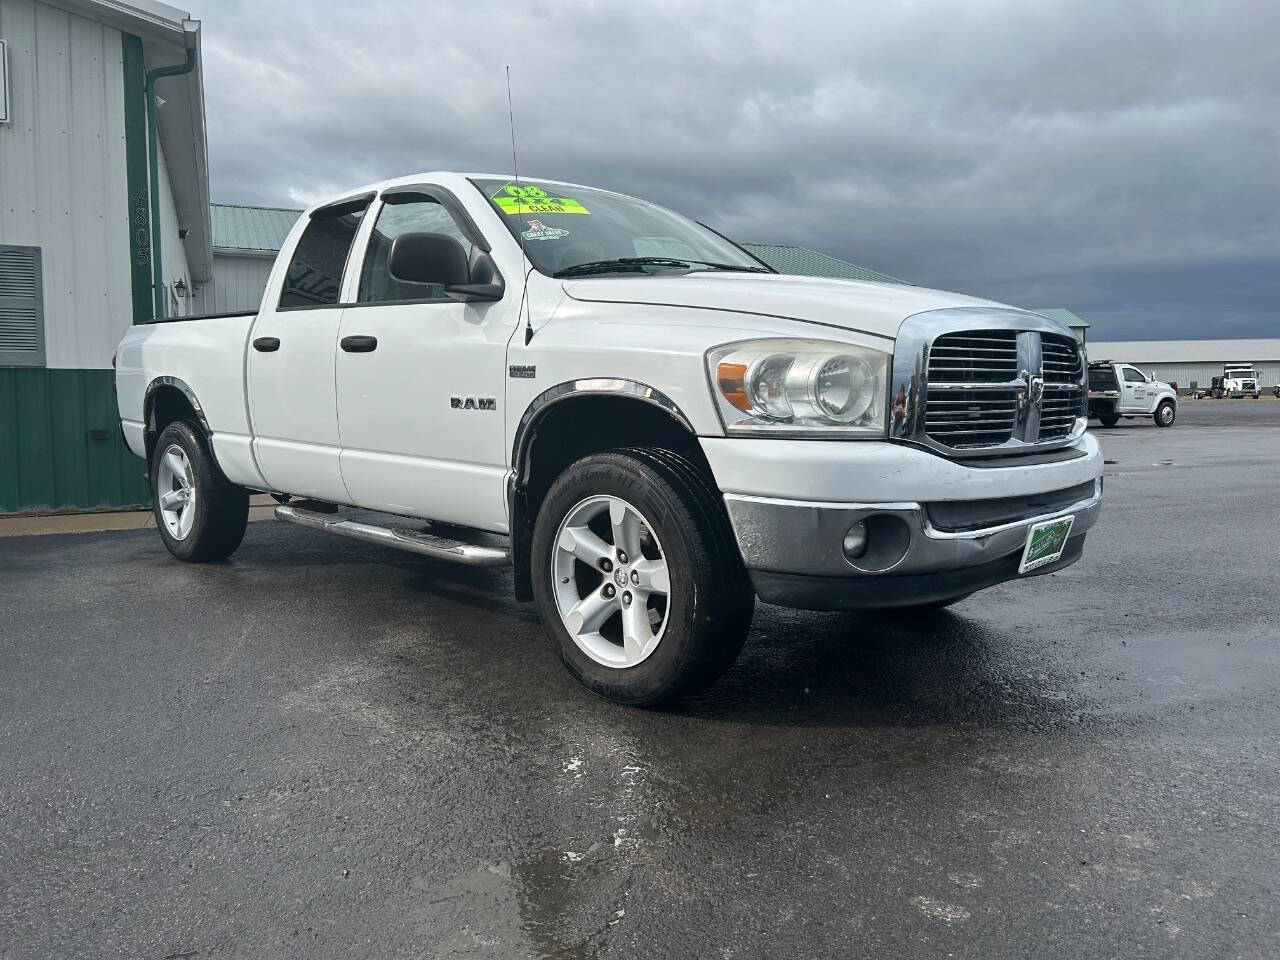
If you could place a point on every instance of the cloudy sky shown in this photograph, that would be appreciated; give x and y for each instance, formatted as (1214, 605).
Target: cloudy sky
(1119, 158)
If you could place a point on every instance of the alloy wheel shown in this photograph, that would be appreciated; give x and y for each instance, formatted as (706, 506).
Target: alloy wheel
(611, 581)
(176, 490)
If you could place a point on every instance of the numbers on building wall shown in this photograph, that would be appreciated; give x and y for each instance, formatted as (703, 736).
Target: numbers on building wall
(140, 221)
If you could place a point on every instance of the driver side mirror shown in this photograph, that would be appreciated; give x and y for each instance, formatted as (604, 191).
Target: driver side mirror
(438, 259)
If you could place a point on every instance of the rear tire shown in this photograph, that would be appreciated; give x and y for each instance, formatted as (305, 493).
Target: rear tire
(1110, 420)
(659, 646)
(1166, 413)
(201, 515)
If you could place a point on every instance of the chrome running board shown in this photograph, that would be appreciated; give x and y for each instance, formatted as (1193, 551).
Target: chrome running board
(399, 538)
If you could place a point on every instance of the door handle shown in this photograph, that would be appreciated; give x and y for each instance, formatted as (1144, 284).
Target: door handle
(267, 344)
(359, 344)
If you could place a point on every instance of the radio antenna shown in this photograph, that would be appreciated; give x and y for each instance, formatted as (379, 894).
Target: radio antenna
(515, 167)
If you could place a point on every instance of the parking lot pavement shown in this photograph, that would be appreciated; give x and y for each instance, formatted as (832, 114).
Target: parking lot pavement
(327, 749)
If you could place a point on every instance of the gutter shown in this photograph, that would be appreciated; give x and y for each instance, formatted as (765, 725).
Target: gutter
(153, 163)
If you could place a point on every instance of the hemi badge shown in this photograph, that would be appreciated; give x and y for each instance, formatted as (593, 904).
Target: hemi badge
(521, 371)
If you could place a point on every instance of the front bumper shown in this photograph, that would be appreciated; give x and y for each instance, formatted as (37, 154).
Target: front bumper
(934, 541)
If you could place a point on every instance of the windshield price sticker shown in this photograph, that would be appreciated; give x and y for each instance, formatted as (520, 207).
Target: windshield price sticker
(513, 200)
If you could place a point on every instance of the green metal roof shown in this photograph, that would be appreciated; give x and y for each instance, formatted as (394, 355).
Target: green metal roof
(238, 227)
(1063, 315)
(786, 258)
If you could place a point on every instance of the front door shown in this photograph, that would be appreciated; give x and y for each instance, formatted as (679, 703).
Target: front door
(420, 381)
(292, 389)
(1133, 390)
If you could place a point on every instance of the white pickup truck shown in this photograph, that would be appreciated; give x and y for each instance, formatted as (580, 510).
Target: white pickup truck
(660, 427)
(1122, 390)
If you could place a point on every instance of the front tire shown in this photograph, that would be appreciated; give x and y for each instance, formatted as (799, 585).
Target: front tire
(1165, 414)
(637, 577)
(201, 515)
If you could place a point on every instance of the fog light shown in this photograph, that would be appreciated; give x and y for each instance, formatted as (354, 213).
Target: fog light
(855, 541)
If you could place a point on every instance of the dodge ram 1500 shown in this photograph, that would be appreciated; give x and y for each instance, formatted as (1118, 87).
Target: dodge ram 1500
(659, 426)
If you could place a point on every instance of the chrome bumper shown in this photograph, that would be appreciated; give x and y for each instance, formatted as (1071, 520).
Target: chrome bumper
(782, 540)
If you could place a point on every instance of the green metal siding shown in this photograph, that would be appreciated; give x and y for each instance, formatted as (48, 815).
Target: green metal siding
(60, 443)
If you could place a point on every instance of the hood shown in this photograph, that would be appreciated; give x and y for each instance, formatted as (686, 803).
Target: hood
(875, 308)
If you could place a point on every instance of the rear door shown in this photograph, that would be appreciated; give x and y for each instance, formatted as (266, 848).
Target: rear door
(293, 343)
(421, 379)
(1133, 390)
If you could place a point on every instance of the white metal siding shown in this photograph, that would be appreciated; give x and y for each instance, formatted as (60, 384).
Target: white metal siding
(1183, 374)
(62, 175)
(238, 283)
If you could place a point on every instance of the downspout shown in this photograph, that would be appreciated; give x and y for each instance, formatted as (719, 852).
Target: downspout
(153, 163)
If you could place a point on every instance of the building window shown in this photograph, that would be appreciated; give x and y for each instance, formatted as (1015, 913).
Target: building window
(21, 307)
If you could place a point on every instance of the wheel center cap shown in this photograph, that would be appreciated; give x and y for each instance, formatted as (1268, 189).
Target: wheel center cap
(620, 576)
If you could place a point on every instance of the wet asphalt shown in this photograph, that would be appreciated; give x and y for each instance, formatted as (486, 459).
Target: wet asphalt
(326, 749)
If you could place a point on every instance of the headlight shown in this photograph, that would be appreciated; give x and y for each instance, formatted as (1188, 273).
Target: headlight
(800, 388)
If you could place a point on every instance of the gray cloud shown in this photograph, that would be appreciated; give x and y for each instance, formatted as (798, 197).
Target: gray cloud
(1116, 158)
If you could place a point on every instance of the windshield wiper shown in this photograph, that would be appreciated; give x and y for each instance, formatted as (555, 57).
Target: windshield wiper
(638, 263)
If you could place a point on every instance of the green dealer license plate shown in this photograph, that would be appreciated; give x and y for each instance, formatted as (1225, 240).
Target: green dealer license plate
(1045, 542)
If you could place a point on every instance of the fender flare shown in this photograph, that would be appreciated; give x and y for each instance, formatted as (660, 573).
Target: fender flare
(148, 400)
(590, 386)
(519, 522)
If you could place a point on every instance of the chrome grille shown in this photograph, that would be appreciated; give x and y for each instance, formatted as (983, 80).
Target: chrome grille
(958, 413)
(1058, 411)
(974, 356)
(1061, 358)
(1063, 395)
(986, 381)
(970, 418)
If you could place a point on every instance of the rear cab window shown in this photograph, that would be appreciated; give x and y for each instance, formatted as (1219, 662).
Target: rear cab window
(1102, 378)
(315, 271)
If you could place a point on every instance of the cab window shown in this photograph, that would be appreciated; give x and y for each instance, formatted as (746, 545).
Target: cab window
(315, 272)
(1134, 376)
(416, 214)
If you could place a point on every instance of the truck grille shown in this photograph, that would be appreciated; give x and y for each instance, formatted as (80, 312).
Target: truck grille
(974, 356)
(958, 411)
(977, 397)
(1064, 397)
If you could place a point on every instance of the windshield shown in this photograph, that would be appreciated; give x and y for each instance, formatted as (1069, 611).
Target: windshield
(586, 231)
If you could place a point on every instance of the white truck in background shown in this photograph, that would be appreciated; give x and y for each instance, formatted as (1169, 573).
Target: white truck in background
(1240, 380)
(657, 427)
(1122, 390)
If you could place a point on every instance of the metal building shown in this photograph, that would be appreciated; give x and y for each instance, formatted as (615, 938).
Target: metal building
(1078, 324)
(1187, 362)
(245, 243)
(104, 221)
